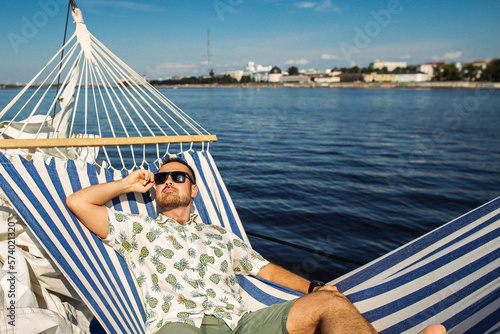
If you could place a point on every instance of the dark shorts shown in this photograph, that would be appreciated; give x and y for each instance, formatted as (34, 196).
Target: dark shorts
(269, 320)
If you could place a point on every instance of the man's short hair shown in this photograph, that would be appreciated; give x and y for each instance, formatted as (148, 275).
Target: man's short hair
(166, 161)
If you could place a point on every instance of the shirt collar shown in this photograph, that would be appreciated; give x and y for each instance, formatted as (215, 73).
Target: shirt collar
(164, 219)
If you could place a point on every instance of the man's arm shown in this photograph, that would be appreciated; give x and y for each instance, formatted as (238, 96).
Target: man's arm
(87, 203)
(283, 277)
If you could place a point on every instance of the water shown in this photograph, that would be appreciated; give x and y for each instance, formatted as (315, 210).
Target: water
(351, 172)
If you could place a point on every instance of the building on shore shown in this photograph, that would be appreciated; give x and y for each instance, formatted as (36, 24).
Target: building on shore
(334, 72)
(410, 76)
(351, 77)
(397, 72)
(428, 69)
(476, 68)
(258, 73)
(413, 76)
(275, 75)
(380, 77)
(482, 64)
(297, 79)
(235, 74)
(389, 65)
(322, 79)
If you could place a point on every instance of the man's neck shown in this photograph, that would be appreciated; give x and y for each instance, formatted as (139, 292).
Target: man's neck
(180, 215)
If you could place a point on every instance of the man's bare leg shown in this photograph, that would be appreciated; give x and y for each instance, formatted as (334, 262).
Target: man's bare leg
(327, 312)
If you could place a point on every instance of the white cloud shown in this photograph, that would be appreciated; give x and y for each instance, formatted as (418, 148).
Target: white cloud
(406, 57)
(297, 62)
(176, 66)
(169, 69)
(305, 4)
(219, 66)
(453, 55)
(327, 6)
(323, 6)
(134, 5)
(326, 56)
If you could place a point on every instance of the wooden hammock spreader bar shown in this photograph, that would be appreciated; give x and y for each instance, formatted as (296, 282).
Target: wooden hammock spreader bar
(96, 142)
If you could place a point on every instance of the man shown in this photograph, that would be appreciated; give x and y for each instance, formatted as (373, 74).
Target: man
(186, 269)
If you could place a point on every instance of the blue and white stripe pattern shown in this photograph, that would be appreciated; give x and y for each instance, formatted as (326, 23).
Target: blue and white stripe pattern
(449, 276)
(38, 192)
(213, 203)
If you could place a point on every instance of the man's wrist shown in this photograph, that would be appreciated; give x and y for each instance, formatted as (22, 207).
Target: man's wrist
(314, 285)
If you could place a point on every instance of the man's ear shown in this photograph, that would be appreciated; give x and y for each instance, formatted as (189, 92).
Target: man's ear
(194, 190)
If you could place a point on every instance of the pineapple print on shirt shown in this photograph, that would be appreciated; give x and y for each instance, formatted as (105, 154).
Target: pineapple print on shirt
(184, 271)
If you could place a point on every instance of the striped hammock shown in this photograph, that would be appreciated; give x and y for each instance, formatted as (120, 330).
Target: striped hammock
(449, 276)
(106, 120)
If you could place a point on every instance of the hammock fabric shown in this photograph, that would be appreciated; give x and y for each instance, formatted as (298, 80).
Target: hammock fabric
(38, 191)
(449, 276)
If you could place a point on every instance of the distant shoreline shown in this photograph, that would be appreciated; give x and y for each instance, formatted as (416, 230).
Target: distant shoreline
(365, 85)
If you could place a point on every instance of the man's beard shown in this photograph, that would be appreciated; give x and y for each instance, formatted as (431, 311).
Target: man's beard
(172, 200)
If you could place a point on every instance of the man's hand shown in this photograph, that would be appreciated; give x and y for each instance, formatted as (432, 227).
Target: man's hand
(326, 287)
(331, 288)
(140, 180)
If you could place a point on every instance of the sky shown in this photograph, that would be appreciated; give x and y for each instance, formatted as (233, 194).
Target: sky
(161, 39)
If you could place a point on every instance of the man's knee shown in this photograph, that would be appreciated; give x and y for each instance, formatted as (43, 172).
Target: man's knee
(311, 310)
(333, 301)
(324, 301)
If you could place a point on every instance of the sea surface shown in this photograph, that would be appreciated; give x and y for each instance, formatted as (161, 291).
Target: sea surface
(354, 173)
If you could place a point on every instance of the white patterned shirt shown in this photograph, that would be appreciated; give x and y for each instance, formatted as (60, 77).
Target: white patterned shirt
(184, 271)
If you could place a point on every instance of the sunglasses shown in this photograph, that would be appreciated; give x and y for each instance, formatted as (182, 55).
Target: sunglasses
(177, 177)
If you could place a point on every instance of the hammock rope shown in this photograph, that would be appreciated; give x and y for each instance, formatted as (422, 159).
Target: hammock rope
(64, 42)
(108, 114)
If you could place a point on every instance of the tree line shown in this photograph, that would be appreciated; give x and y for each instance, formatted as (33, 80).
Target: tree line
(469, 72)
(224, 79)
(446, 72)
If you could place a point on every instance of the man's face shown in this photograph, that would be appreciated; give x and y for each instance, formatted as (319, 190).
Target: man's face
(171, 195)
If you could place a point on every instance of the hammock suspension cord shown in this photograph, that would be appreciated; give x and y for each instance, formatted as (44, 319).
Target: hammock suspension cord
(71, 3)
